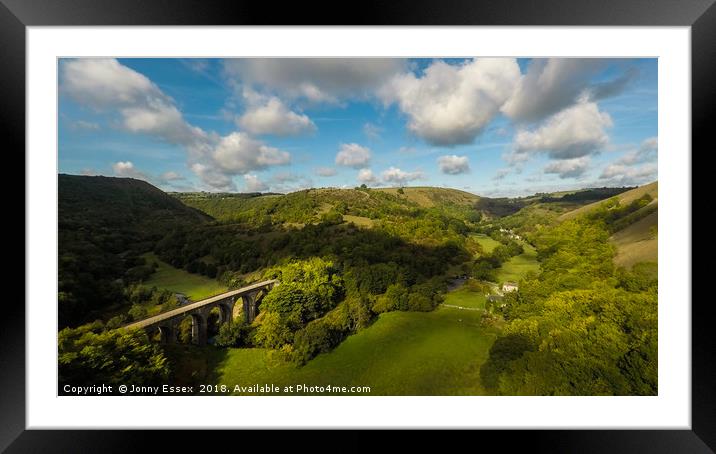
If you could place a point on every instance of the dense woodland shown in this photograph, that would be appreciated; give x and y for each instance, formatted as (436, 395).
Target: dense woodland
(579, 326)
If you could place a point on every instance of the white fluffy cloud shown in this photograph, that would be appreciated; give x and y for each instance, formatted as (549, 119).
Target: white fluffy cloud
(127, 169)
(353, 155)
(574, 132)
(273, 117)
(326, 171)
(451, 104)
(314, 79)
(108, 86)
(624, 175)
(367, 176)
(636, 167)
(104, 82)
(238, 153)
(569, 168)
(253, 184)
(646, 152)
(395, 175)
(453, 164)
(549, 85)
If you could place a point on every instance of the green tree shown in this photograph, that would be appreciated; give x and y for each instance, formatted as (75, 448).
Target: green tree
(273, 331)
(88, 355)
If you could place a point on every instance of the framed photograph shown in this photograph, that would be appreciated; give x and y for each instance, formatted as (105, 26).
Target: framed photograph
(432, 216)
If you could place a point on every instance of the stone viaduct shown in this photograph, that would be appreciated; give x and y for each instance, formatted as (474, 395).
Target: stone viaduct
(167, 323)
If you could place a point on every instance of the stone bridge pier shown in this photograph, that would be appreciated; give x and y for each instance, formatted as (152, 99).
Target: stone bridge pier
(167, 323)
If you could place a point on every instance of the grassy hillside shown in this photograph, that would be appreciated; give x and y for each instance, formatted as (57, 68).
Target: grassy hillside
(194, 286)
(428, 197)
(624, 198)
(314, 205)
(636, 236)
(402, 353)
(638, 242)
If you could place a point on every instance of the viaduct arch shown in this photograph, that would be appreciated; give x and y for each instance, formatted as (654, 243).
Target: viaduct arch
(168, 322)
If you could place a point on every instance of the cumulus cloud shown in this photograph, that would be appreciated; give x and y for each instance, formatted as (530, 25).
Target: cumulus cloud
(612, 87)
(548, 86)
(213, 177)
(314, 79)
(453, 164)
(290, 182)
(636, 167)
(126, 169)
(574, 132)
(108, 86)
(367, 176)
(104, 84)
(395, 175)
(273, 117)
(451, 104)
(569, 168)
(253, 184)
(647, 151)
(624, 175)
(326, 171)
(353, 155)
(238, 153)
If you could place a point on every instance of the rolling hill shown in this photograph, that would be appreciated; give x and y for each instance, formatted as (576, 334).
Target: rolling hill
(624, 198)
(120, 204)
(312, 205)
(635, 241)
(429, 197)
(104, 224)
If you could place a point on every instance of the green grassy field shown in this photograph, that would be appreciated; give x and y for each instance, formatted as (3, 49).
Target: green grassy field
(194, 286)
(402, 353)
(464, 297)
(517, 267)
(487, 243)
(360, 221)
(638, 242)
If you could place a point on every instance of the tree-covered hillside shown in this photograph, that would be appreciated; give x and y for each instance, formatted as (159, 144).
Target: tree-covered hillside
(578, 323)
(104, 224)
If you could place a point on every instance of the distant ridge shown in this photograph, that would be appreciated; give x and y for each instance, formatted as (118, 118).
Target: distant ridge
(120, 203)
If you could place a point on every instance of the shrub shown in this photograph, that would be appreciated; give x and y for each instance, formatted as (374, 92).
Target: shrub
(234, 334)
(137, 312)
(88, 355)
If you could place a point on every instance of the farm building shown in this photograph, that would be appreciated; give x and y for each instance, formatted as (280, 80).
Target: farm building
(510, 287)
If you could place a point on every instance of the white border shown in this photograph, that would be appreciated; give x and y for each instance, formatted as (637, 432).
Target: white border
(671, 409)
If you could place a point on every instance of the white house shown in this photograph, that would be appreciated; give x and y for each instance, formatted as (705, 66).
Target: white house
(510, 287)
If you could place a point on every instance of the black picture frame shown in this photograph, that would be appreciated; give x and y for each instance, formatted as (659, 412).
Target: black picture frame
(700, 15)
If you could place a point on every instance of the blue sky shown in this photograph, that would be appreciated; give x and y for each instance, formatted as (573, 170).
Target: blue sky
(494, 127)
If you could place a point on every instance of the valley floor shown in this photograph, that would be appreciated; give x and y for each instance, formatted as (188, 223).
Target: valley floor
(401, 353)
